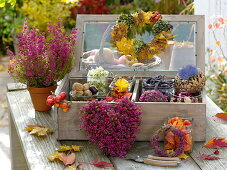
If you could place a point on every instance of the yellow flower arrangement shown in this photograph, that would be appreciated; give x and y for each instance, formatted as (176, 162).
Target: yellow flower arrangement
(126, 28)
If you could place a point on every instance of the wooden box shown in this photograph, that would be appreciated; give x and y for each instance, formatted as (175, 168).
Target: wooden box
(154, 113)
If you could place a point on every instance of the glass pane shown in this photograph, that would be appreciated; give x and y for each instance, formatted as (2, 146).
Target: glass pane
(97, 35)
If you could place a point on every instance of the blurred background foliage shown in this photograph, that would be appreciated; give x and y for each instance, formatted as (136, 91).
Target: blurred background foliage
(40, 12)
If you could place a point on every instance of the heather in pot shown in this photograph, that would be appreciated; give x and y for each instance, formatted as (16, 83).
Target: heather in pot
(42, 59)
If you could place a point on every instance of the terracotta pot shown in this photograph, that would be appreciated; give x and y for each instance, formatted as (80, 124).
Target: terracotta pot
(39, 96)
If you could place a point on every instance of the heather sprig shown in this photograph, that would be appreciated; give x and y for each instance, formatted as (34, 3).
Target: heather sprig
(112, 127)
(42, 59)
(153, 96)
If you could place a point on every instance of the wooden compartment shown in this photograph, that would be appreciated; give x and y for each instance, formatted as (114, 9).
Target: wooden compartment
(154, 114)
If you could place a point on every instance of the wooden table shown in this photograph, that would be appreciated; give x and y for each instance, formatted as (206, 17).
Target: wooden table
(29, 152)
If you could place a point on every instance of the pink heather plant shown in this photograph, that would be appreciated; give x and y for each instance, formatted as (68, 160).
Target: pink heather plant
(42, 60)
(111, 127)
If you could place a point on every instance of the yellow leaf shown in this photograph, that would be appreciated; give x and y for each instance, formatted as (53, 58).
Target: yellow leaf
(38, 130)
(169, 151)
(218, 43)
(54, 156)
(64, 148)
(183, 156)
(70, 168)
(76, 148)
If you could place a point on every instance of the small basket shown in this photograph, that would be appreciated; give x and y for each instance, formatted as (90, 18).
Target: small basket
(82, 98)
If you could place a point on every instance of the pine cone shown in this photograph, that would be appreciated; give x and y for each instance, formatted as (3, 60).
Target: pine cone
(193, 85)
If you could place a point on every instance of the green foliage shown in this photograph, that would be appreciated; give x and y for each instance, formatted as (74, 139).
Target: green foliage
(10, 21)
(41, 12)
(4, 2)
(138, 45)
(217, 85)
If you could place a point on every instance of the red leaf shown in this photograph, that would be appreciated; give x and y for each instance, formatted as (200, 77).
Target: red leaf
(222, 116)
(208, 157)
(216, 142)
(68, 159)
(101, 164)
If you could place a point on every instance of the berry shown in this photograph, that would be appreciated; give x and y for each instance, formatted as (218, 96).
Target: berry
(216, 152)
(58, 99)
(50, 102)
(187, 122)
(64, 105)
(57, 105)
(63, 95)
(51, 97)
(65, 110)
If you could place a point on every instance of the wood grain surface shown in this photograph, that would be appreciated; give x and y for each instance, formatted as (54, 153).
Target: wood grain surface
(36, 149)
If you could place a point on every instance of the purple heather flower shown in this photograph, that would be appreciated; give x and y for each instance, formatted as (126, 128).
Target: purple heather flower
(111, 127)
(188, 71)
(153, 96)
(42, 62)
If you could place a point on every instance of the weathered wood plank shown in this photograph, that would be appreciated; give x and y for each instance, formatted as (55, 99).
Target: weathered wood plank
(213, 130)
(36, 149)
(144, 149)
(18, 161)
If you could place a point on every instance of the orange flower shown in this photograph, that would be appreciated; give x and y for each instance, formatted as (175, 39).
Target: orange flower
(218, 43)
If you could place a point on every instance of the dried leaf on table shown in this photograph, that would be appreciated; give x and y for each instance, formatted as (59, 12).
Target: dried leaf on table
(221, 118)
(208, 157)
(68, 159)
(54, 156)
(38, 130)
(64, 148)
(183, 156)
(76, 148)
(69, 148)
(216, 142)
(101, 164)
(70, 168)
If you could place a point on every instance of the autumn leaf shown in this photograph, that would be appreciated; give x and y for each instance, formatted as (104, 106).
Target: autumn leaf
(222, 116)
(68, 159)
(208, 157)
(221, 20)
(217, 25)
(54, 156)
(183, 156)
(101, 164)
(64, 148)
(210, 26)
(216, 142)
(38, 130)
(68, 148)
(70, 168)
(76, 148)
(170, 137)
